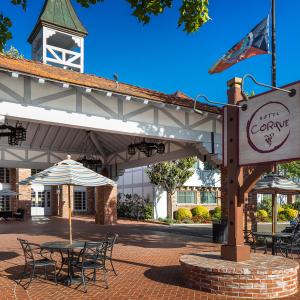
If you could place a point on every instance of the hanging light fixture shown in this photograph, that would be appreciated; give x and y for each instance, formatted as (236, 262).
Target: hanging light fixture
(15, 134)
(131, 149)
(148, 148)
(90, 160)
(20, 132)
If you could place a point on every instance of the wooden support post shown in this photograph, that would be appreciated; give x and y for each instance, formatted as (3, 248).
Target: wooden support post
(235, 250)
(274, 213)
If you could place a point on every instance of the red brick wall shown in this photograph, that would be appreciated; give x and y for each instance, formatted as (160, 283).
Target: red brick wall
(25, 191)
(106, 204)
(13, 186)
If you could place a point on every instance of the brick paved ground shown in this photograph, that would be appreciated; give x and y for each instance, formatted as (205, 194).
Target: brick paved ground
(146, 259)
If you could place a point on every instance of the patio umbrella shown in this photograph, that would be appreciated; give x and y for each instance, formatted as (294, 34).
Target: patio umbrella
(68, 172)
(8, 193)
(276, 184)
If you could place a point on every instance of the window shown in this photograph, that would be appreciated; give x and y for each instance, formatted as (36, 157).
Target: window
(79, 201)
(4, 175)
(208, 197)
(186, 197)
(4, 203)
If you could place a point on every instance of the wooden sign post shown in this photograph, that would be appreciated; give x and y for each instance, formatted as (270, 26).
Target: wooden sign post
(235, 250)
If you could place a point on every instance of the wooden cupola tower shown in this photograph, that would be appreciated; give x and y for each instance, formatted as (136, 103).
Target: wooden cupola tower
(58, 36)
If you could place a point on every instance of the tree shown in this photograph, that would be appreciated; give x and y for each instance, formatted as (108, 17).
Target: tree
(290, 169)
(171, 175)
(192, 13)
(13, 52)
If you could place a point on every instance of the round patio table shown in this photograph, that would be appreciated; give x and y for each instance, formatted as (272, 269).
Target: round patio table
(61, 247)
(275, 237)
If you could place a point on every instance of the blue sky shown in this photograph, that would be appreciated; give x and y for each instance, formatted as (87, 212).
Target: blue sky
(161, 56)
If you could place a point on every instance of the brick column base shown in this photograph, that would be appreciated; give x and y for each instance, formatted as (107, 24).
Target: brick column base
(261, 277)
(106, 205)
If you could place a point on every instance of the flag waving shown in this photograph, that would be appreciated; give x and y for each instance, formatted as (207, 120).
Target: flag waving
(256, 42)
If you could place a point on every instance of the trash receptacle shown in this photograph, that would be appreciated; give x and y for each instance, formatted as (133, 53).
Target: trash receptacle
(220, 232)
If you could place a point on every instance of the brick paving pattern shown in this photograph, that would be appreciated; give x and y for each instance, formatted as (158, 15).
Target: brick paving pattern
(146, 259)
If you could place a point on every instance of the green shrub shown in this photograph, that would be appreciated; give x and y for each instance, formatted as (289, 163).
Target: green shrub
(200, 211)
(296, 205)
(262, 215)
(216, 214)
(182, 214)
(280, 209)
(148, 211)
(266, 204)
(282, 216)
(290, 214)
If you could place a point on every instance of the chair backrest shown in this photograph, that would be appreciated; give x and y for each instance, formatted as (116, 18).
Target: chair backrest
(28, 254)
(94, 251)
(110, 239)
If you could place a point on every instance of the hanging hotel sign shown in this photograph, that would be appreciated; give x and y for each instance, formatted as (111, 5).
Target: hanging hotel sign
(269, 130)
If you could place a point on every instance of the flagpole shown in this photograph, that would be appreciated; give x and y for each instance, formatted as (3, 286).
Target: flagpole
(273, 74)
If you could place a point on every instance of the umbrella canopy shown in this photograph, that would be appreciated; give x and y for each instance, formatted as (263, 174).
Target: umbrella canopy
(68, 172)
(276, 184)
(8, 193)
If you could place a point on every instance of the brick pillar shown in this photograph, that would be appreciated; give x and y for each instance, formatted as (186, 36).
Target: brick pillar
(234, 250)
(55, 202)
(63, 206)
(90, 192)
(25, 191)
(13, 186)
(106, 205)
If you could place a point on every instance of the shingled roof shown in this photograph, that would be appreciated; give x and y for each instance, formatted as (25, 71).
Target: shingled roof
(37, 69)
(59, 14)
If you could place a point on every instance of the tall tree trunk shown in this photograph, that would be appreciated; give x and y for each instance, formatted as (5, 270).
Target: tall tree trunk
(169, 205)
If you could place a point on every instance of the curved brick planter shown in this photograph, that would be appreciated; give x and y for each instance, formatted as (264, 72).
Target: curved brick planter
(262, 277)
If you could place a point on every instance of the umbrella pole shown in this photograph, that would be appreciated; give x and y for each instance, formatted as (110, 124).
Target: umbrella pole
(274, 213)
(70, 214)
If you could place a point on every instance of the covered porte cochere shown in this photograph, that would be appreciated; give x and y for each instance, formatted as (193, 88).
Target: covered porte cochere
(66, 112)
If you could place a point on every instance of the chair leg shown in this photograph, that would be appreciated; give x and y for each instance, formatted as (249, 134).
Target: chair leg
(94, 275)
(55, 278)
(31, 275)
(45, 272)
(113, 267)
(83, 280)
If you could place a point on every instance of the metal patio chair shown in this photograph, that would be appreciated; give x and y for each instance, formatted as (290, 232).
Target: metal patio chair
(111, 239)
(34, 258)
(288, 247)
(91, 257)
(257, 243)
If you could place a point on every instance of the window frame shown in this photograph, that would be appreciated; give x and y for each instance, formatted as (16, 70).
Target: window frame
(5, 200)
(186, 203)
(207, 193)
(83, 200)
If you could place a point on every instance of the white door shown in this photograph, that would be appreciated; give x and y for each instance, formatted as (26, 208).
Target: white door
(41, 203)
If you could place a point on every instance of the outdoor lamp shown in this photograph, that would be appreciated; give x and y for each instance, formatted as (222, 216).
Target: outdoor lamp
(20, 132)
(131, 149)
(12, 140)
(149, 152)
(160, 148)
